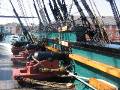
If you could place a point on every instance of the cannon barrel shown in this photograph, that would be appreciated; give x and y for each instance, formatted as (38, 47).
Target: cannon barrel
(20, 44)
(50, 55)
(35, 46)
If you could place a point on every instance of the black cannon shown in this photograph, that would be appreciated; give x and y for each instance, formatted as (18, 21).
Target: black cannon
(20, 44)
(50, 56)
(35, 47)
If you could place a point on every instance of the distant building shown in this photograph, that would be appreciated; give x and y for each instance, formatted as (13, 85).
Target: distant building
(15, 28)
(110, 27)
(2, 31)
(2, 28)
(12, 28)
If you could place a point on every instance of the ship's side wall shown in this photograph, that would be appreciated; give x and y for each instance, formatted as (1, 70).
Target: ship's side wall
(84, 69)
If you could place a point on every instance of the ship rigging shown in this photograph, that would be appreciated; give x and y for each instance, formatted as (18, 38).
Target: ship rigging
(75, 52)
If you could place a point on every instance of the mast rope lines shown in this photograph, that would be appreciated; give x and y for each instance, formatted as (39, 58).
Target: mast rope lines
(45, 10)
(101, 23)
(86, 24)
(55, 10)
(23, 11)
(115, 12)
(41, 10)
(22, 8)
(63, 8)
(41, 26)
(71, 6)
(102, 35)
(29, 5)
(25, 31)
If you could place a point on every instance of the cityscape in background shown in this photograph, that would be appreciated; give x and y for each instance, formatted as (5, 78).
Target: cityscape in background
(15, 28)
(109, 25)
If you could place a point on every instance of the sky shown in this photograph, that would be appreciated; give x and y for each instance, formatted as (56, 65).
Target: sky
(6, 9)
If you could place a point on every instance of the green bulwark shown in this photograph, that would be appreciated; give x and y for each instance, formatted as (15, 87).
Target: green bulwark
(82, 69)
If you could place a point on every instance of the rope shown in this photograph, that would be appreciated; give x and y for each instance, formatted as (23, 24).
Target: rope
(30, 10)
(81, 80)
(42, 12)
(25, 10)
(39, 4)
(70, 8)
(104, 34)
(98, 11)
(32, 26)
(92, 8)
(22, 10)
